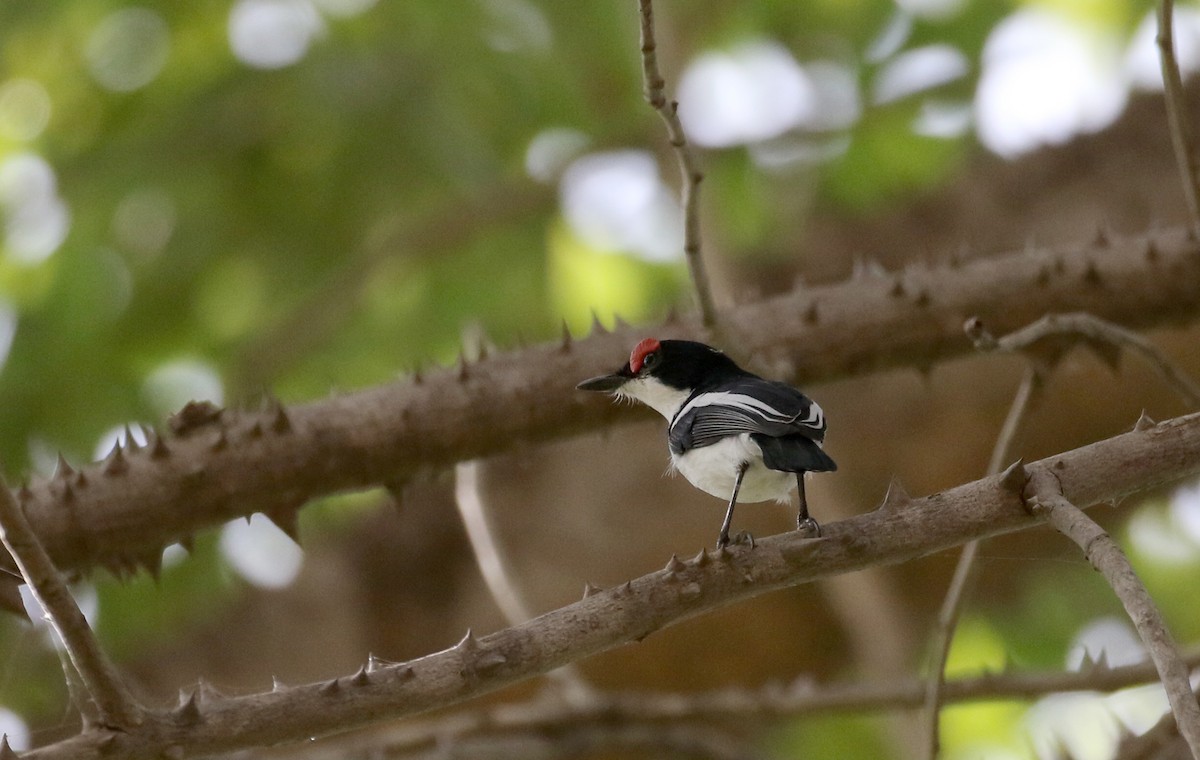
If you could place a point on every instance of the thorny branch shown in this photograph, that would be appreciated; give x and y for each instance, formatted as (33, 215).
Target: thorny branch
(216, 465)
(114, 704)
(900, 530)
(1182, 137)
(690, 176)
(1105, 337)
(964, 571)
(1044, 496)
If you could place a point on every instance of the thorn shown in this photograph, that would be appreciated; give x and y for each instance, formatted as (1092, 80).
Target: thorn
(673, 565)
(619, 323)
(194, 415)
(279, 419)
(1014, 477)
(923, 299)
(897, 289)
(566, 337)
(625, 588)
(329, 688)
(702, 558)
(221, 442)
(68, 492)
(361, 678)
(63, 469)
(1101, 239)
(188, 543)
(1091, 275)
(277, 685)
(255, 430)
(866, 268)
(723, 554)
(468, 643)
(463, 371)
(1151, 250)
(406, 673)
(130, 442)
(810, 314)
(158, 447)
(597, 325)
(23, 493)
(417, 376)
(1144, 422)
(115, 463)
(896, 496)
(208, 692)
(589, 590)
(188, 712)
(7, 752)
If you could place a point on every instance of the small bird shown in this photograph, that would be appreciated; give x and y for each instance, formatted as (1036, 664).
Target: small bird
(731, 433)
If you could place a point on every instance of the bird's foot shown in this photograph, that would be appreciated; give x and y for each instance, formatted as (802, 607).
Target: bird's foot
(742, 537)
(809, 527)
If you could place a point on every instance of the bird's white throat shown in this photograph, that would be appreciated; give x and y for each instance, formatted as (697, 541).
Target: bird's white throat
(655, 394)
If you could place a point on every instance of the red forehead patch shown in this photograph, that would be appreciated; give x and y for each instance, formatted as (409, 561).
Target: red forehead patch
(640, 351)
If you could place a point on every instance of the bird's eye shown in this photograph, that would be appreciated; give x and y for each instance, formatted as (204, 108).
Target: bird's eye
(650, 361)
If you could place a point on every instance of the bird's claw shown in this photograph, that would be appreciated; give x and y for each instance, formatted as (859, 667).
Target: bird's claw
(742, 537)
(809, 527)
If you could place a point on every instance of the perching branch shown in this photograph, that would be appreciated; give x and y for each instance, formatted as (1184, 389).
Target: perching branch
(1045, 497)
(115, 706)
(1182, 138)
(690, 176)
(217, 465)
(900, 530)
(964, 571)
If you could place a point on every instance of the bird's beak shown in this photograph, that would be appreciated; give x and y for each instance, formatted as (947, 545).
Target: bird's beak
(603, 383)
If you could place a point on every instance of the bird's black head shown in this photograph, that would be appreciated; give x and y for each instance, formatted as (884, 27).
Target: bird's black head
(681, 365)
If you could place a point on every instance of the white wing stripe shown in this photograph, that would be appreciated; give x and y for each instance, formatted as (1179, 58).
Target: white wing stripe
(814, 419)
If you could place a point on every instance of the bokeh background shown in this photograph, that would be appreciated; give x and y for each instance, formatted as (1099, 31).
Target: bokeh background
(212, 200)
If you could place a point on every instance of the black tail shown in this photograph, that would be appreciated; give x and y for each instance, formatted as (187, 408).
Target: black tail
(794, 453)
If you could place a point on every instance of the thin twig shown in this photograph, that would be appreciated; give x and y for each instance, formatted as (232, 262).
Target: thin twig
(653, 85)
(964, 572)
(493, 568)
(748, 708)
(115, 705)
(1094, 329)
(1044, 497)
(1177, 113)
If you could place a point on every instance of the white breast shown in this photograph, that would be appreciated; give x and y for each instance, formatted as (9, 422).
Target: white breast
(713, 469)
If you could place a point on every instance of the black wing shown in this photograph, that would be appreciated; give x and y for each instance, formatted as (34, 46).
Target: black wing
(786, 424)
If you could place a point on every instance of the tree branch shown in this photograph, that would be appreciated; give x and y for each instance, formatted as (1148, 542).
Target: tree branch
(1177, 113)
(899, 531)
(1045, 497)
(218, 465)
(746, 708)
(115, 706)
(1100, 334)
(690, 176)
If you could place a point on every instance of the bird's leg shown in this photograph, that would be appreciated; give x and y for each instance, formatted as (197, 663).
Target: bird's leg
(804, 523)
(723, 538)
